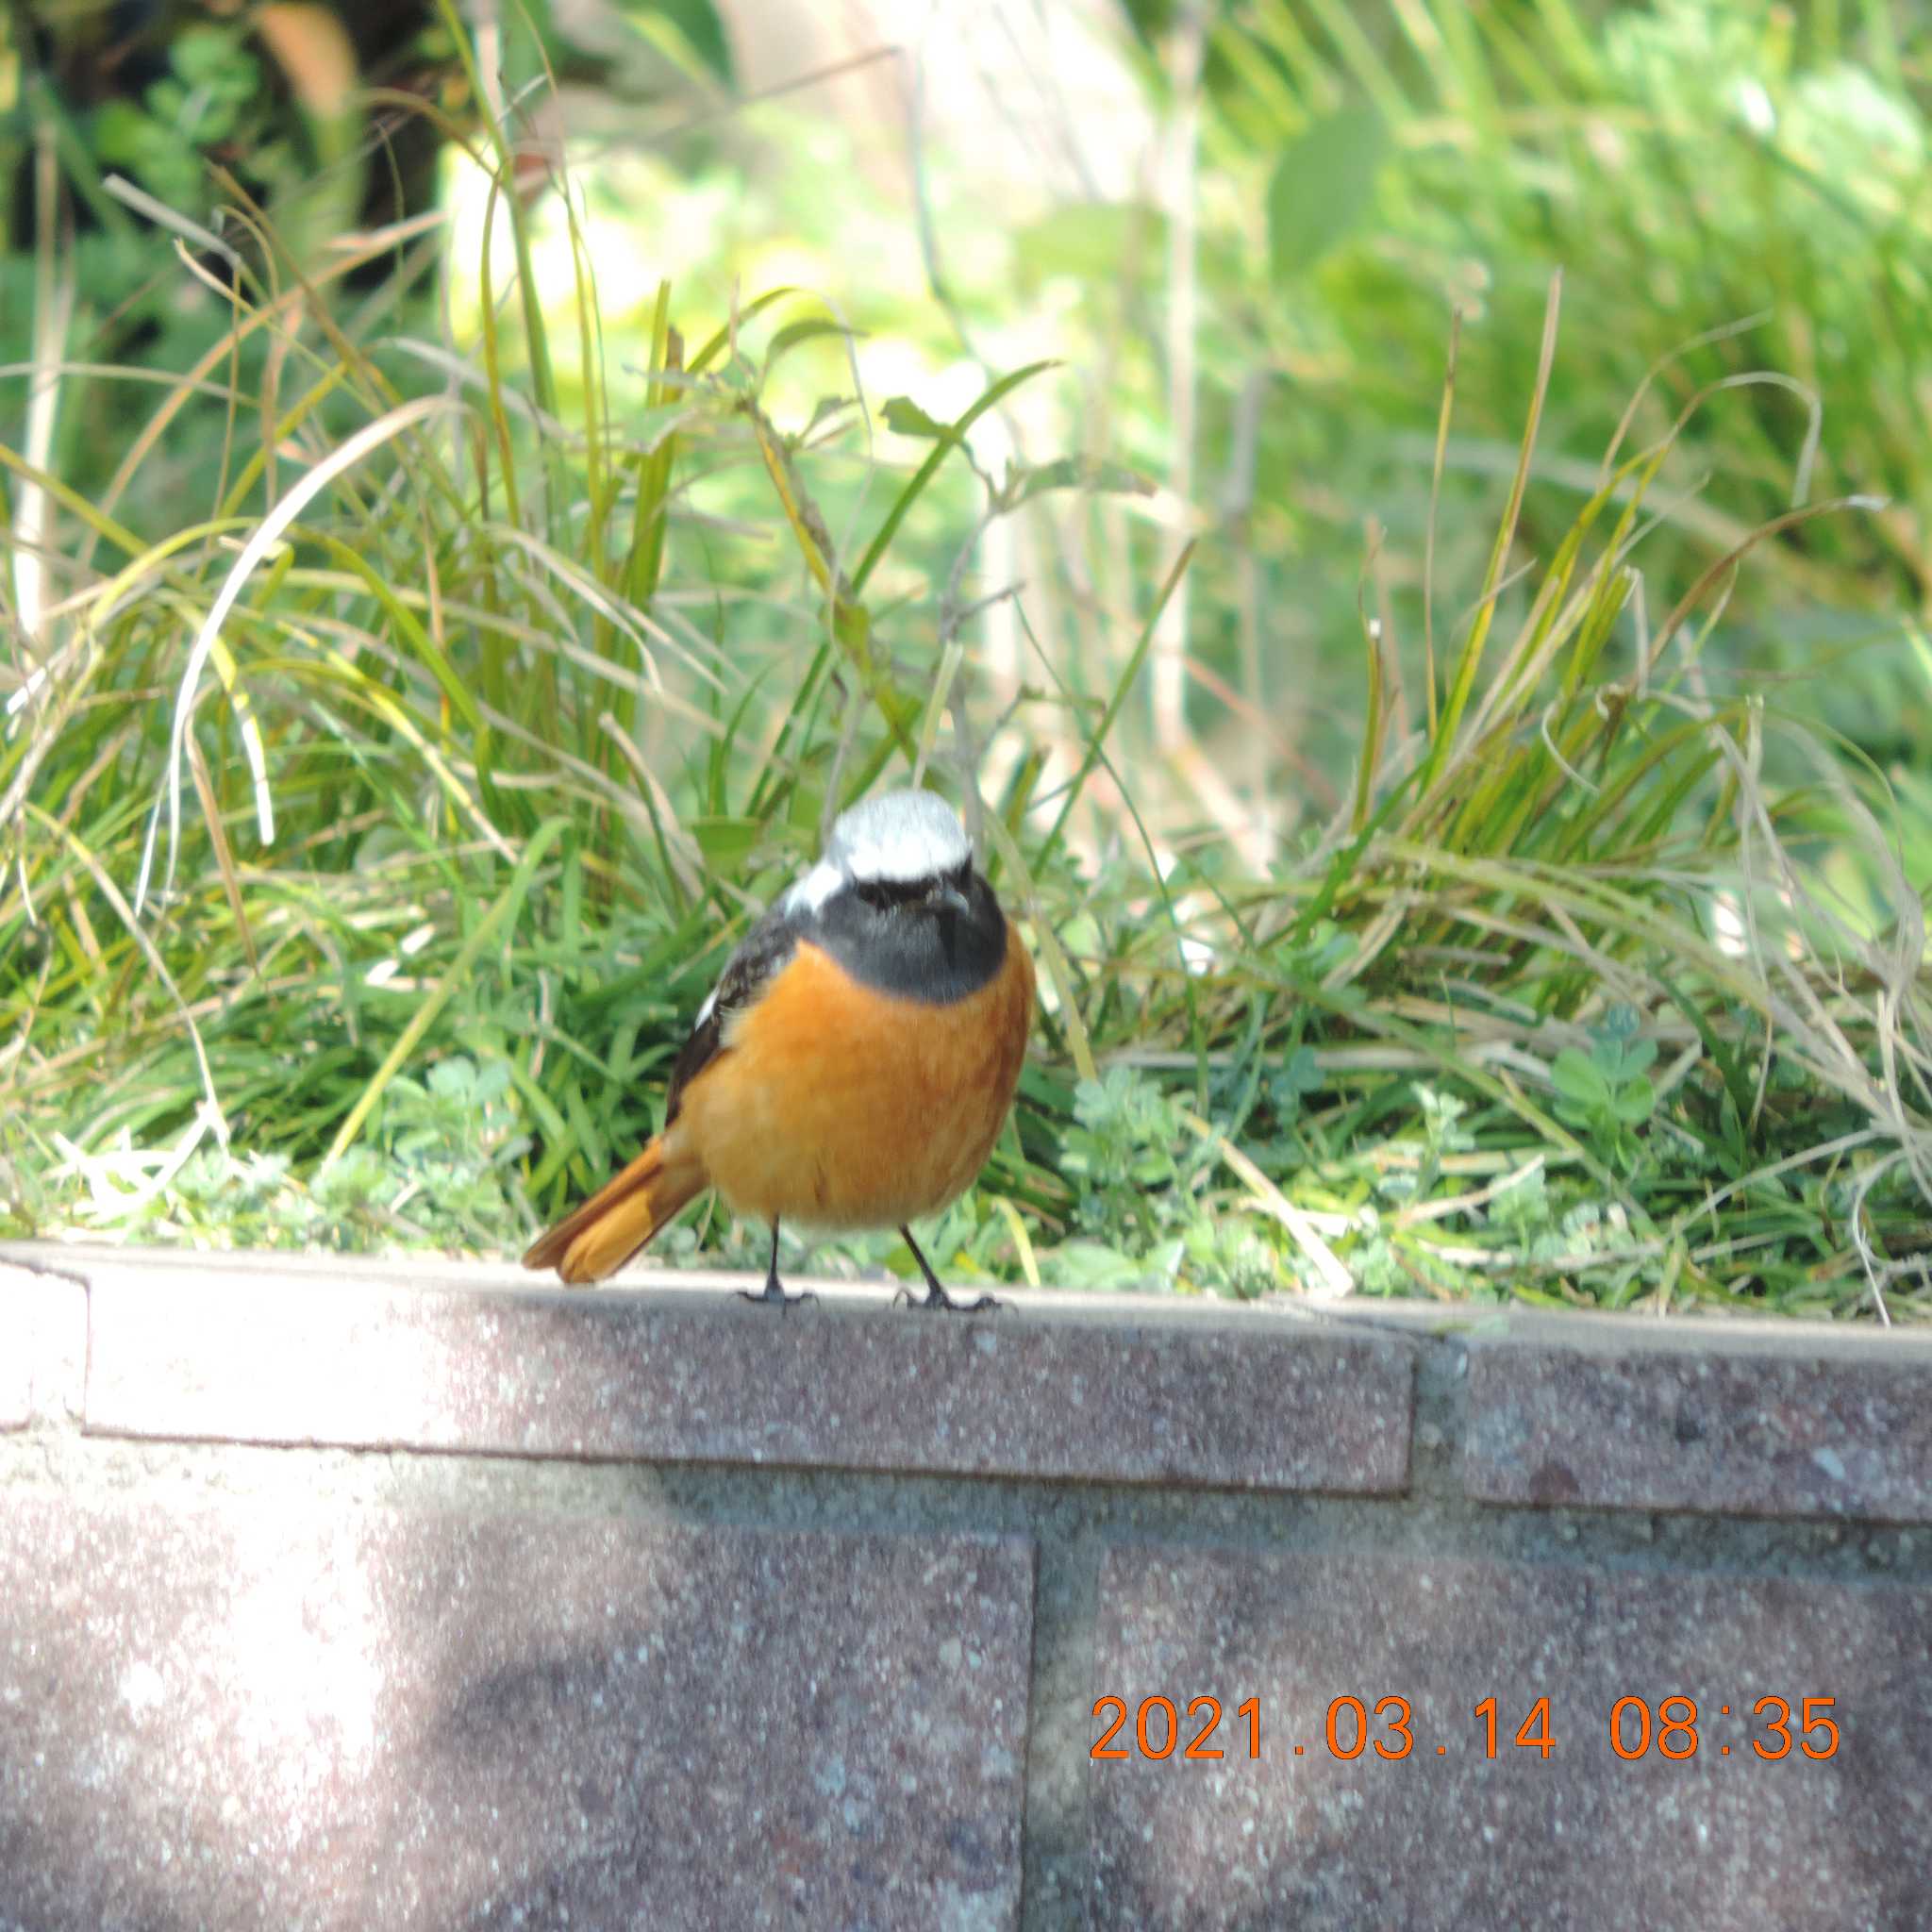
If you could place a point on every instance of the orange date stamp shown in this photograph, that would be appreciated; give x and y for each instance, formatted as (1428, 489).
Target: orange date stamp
(1672, 1728)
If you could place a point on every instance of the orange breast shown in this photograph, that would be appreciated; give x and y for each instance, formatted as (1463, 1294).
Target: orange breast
(841, 1107)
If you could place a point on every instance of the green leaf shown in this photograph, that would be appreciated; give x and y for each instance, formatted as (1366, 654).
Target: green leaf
(1633, 1102)
(696, 24)
(1322, 188)
(1579, 1079)
(119, 129)
(492, 1082)
(794, 333)
(209, 56)
(1638, 1056)
(1092, 1264)
(904, 417)
(826, 410)
(453, 1078)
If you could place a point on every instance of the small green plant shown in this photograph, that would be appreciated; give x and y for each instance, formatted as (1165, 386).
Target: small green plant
(1126, 1136)
(213, 96)
(1607, 1091)
(1141, 1209)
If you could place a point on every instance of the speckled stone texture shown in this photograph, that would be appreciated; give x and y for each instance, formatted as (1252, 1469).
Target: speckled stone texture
(1196, 1399)
(1753, 1430)
(19, 1348)
(1457, 1843)
(42, 1345)
(249, 1718)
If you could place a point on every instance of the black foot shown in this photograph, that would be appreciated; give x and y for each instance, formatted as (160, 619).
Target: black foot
(936, 1296)
(774, 1289)
(774, 1293)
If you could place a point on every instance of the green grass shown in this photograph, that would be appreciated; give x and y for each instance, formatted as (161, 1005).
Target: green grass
(1738, 200)
(415, 713)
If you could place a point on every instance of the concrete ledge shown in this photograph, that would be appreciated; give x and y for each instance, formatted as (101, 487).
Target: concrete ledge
(187, 1349)
(42, 1343)
(1807, 1423)
(343, 1594)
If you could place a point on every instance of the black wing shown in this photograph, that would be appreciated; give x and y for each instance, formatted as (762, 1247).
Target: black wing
(761, 952)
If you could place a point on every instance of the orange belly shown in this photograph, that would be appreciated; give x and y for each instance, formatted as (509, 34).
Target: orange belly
(841, 1107)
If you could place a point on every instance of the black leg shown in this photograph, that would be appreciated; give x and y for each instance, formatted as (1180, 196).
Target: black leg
(774, 1289)
(936, 1296)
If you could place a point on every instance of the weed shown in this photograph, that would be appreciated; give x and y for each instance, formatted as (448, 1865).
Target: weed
(398, 739)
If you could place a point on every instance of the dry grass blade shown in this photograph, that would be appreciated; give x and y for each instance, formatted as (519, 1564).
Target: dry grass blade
(266, 535)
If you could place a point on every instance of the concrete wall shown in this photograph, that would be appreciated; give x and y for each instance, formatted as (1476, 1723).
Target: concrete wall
(400, 1595)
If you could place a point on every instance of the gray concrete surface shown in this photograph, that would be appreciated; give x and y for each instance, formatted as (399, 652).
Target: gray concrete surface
(346, 1593)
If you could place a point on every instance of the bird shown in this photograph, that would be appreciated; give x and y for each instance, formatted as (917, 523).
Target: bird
(854, 1064)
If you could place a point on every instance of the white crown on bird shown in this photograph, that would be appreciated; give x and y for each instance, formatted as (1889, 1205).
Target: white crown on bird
(896, 838)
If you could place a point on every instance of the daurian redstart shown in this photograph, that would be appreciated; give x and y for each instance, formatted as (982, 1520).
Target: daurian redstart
(852, 1066)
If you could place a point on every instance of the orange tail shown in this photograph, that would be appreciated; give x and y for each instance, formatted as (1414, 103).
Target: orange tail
(621, 1216)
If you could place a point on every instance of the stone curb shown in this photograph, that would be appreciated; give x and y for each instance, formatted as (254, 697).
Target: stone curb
(1092, 1611)
(383, 1361)
(1841, 1428)
(1739, 1418)
(44, 1318)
